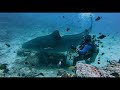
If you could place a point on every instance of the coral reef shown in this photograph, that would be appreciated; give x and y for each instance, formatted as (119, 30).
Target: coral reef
(113, 68)
(86, 70)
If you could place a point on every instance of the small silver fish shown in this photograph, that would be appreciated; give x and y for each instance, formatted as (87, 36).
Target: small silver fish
(59, 63)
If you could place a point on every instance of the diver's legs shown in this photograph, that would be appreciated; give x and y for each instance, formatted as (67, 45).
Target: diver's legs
(75, 60)
(93, 57)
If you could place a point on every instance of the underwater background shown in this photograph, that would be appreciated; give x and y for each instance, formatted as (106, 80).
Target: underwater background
(16, 25)
(17, 28)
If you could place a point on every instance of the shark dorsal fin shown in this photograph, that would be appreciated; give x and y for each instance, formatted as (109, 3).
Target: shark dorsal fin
(56, 35)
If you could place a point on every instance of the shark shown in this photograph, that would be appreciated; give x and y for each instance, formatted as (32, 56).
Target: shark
(54, 42)
(50, 48)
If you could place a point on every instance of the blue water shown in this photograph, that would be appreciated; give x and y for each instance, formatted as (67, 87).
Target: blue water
(108, 24)
(17, 24)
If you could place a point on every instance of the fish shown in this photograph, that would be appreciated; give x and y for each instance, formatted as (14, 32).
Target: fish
(102, 53)
(100, 33)
(8, 45)
(71, 67)
(102, 36)
(98, 62)
(119, 61)
(67, 29)
(59, 63)
(41, 74)
(98, 18)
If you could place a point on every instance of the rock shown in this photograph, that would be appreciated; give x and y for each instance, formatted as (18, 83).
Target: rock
(32, 60)
(36, 58)
(4, 68)
(1, 73)
(115, 74)
(63, 73)
(114, 62)
(26, 72)
(103, 73)
(113, 68)
(86, 70)
(28, 58)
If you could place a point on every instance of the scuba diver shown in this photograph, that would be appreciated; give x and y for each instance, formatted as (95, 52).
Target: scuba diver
(87, 51)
